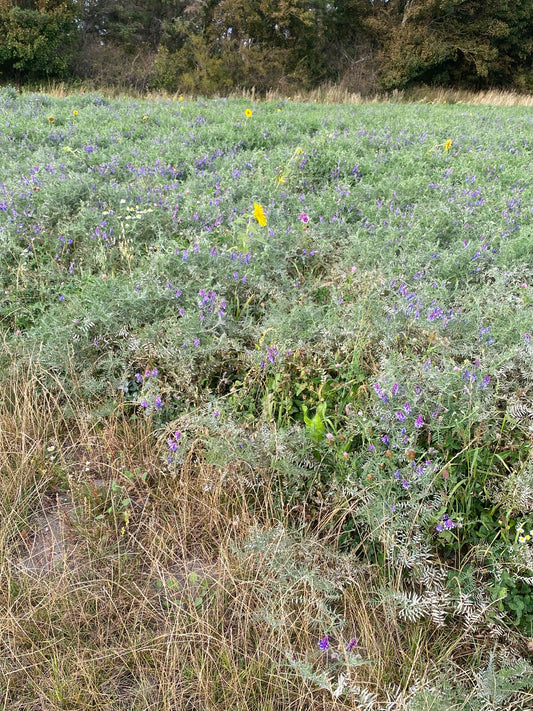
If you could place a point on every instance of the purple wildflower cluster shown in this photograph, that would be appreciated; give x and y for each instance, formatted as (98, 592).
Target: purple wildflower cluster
(173, 442)
(413, 306)
(472, 377)
(404, 411)
(325, 644)
(147, 374)
(209, 303)
(271, 355)
(445, 524)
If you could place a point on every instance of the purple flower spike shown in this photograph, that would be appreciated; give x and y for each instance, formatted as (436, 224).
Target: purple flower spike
(324, 643)
(419, 422)
(351, 644)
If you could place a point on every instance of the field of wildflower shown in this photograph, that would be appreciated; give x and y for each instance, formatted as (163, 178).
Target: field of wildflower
(266, 405)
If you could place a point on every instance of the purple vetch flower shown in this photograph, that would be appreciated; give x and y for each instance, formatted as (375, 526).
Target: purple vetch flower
(138, 377)
(216, 414)
(158, 403)
(144, 403)
(407, 408)
(446, 524)
(401, 416)
(405, 484)
(527, 338)
(173, 443)
(350, 646)
(419, 422)
(395, 388)
(379, 391)
(324, 643)
(385, 439)
(196, 342)
(272, 352)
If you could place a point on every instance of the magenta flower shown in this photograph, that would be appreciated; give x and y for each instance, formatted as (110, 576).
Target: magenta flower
(304, 217)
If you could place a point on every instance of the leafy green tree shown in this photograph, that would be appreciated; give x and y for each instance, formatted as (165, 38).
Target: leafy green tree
(267, 41)
(37, 39)
(471, 43)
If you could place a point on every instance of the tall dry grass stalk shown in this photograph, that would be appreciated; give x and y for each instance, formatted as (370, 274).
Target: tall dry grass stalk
(325, 94)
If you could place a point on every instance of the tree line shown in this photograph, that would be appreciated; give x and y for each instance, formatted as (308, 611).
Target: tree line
(210, 46)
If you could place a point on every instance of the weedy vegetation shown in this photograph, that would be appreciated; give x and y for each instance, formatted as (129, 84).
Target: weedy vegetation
(265, 405)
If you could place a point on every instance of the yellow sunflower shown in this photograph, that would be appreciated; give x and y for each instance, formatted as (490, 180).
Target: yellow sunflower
(248, 112)
(259, 214)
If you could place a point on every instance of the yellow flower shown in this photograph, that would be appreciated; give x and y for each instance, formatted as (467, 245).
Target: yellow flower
(448, 144)
(51, 119)
(181, 98)
(248, 112)
(259, 214)
(75, 112)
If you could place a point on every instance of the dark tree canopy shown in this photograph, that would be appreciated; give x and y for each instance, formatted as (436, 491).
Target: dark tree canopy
(215, 45)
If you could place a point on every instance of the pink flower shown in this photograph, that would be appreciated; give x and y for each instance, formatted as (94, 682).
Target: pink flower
(304, 217)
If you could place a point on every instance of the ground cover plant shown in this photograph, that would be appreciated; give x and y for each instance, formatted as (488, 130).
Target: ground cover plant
(265, 412)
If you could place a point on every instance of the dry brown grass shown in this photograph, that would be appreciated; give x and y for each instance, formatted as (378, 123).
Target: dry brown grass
(123, 586)
(325, 94)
